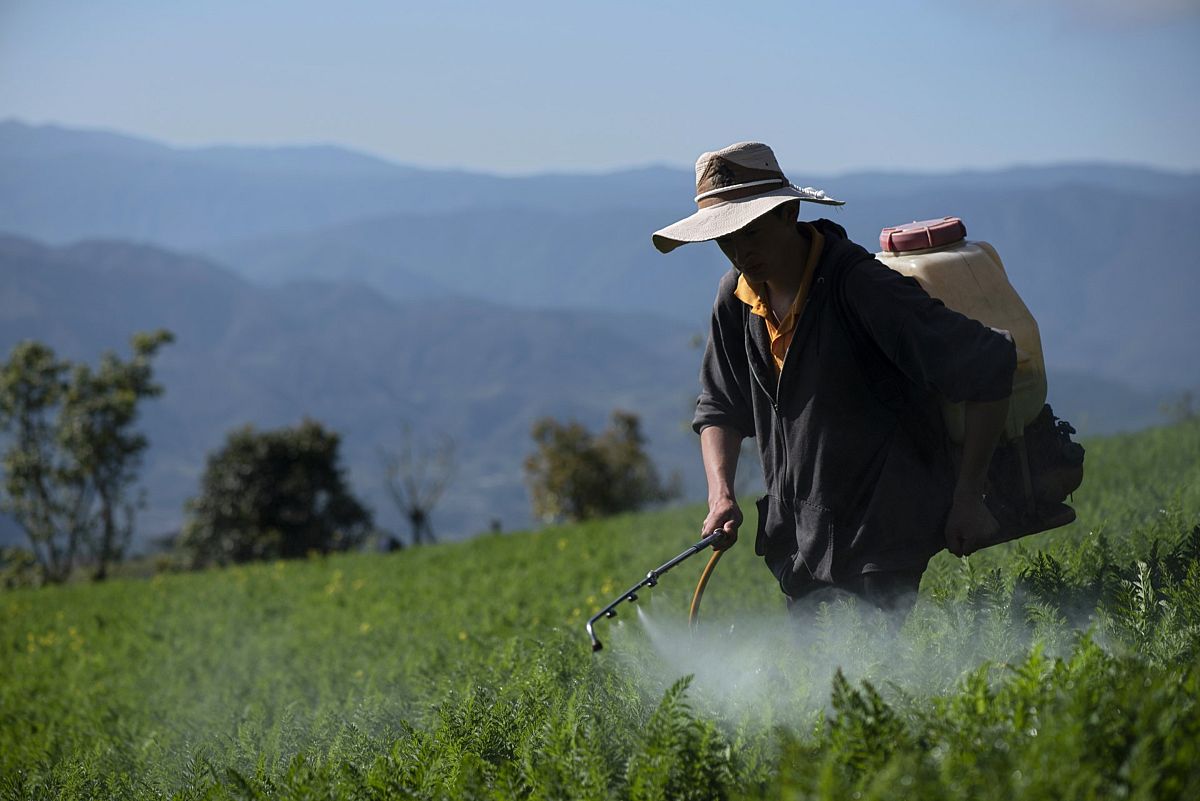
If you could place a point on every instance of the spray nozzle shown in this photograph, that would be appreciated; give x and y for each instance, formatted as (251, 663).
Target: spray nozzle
(650, 580)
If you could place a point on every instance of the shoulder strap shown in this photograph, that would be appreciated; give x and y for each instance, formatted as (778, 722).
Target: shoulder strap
(887, 383)
(913, 406)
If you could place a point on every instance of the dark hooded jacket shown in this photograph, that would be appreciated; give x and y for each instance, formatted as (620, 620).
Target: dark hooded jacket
(858, 470)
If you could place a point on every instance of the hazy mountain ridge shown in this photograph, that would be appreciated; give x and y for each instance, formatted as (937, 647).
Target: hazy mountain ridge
(357, 361)
(1106, 276)
(61, 185)
(470, 304)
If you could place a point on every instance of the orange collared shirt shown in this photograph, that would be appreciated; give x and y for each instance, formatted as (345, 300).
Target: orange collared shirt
(754, 295)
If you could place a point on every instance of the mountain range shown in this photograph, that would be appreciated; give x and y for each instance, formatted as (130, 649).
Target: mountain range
(318, 281)
(361, 363)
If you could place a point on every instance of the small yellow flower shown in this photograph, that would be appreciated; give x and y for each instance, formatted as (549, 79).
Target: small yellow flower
(364, 627)
(462, 635)
(335, 583)
(562, 543)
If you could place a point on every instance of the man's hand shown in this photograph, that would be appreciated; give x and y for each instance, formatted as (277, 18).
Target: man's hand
(970, 524)
(723, 514)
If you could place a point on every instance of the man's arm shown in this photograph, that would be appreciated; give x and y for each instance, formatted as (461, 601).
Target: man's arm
(960, 358)
(723, 415)
(969, 519)
(719, 449)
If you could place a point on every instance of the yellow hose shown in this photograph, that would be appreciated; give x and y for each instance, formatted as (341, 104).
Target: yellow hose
(694, 613)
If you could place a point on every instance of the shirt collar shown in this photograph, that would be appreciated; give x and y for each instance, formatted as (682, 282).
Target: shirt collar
(754, 293)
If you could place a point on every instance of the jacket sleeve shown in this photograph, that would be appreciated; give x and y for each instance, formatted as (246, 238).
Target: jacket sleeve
(936, 347)
(724, 392)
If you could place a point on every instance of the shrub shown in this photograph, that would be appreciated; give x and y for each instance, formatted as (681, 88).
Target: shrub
(574, 475)
(273, 494)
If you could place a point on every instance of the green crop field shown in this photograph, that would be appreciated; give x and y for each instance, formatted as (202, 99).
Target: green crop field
(1061, 666)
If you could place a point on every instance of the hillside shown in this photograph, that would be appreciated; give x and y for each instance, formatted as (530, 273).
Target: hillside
(463, 671)
(361, 363)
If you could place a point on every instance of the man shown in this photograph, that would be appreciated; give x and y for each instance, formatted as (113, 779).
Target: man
(835, 364)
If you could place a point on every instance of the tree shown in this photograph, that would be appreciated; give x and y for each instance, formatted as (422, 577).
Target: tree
(574, 475)
(415, 478)
(273, 494)
(635, 481)
(100, 408)
(74, 455)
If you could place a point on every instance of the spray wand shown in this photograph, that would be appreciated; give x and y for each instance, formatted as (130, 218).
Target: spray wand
(652, 578)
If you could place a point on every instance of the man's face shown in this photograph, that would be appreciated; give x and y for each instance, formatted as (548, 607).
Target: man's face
(759, 251)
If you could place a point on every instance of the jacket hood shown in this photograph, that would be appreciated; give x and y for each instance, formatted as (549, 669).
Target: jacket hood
(829, 229)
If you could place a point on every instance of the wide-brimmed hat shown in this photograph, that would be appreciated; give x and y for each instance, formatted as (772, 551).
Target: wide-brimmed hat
(735, 186)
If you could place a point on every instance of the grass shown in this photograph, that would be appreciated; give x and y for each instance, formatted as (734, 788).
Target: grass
(1063, 665)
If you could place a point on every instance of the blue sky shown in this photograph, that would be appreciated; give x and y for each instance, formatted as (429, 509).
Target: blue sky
(519, 87)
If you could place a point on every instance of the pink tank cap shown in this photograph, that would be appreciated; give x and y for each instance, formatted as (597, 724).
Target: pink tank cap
(922, 235)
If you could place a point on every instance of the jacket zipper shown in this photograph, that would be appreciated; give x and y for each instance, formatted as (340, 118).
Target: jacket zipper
(779, 427)
(776, 399)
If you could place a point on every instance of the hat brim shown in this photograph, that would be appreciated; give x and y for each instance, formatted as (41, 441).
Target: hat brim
(724, 218)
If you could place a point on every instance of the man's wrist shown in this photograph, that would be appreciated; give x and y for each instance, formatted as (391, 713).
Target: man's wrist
(970, 492)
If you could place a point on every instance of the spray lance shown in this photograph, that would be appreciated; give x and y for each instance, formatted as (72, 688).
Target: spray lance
(653, 576)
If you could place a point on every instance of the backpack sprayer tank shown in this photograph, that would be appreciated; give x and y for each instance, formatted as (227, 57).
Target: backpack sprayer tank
(1037, 465)
(970, 278)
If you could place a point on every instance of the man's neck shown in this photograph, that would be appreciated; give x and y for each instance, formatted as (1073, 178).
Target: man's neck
(784, 286)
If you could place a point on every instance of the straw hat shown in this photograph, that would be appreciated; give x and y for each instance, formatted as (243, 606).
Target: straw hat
(734, 186)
